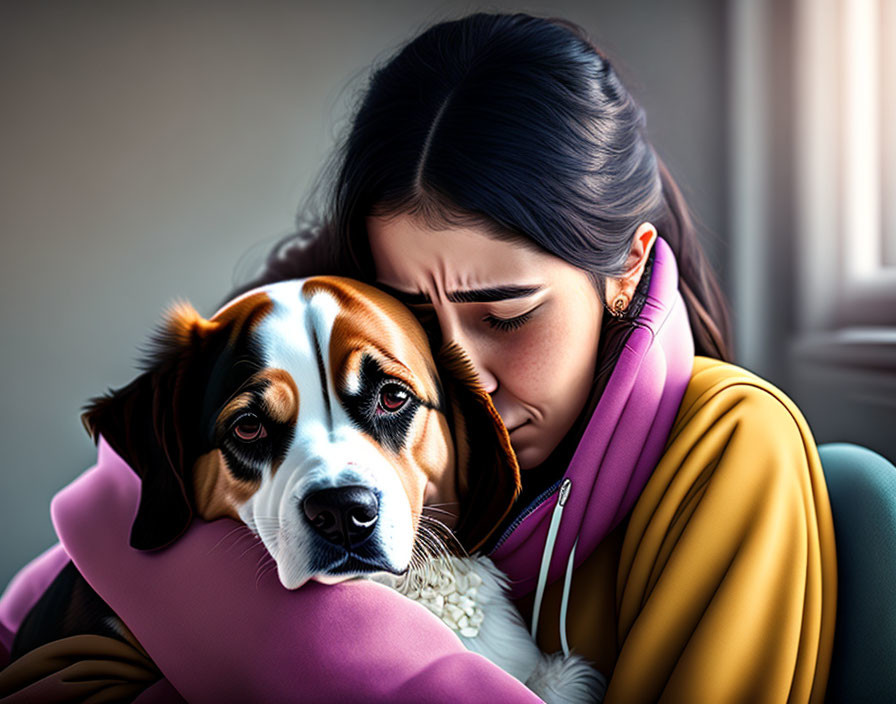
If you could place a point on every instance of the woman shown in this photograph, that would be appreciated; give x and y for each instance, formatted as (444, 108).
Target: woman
(674, 525)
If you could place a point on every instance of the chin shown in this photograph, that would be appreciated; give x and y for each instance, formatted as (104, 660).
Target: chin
(530, 457)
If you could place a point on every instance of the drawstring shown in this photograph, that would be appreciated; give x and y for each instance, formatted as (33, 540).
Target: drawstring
(553, 529)
(567, 582)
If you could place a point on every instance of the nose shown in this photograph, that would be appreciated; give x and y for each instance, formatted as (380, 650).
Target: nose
(344, 516)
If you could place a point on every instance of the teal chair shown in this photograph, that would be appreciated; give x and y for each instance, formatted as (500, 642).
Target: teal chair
(862, 489)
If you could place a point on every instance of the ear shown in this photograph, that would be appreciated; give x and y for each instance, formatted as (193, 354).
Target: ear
(144, 422)
(487, 476)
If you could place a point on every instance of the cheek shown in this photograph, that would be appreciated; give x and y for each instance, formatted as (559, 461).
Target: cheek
(432, 452)
(428, 460)
(553, 359)
(532, 357)
(526, 364)
(216, 491)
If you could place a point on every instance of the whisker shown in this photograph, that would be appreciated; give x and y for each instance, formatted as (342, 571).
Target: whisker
(264, 572)
(252, 547)
(438, 545)
(433, 556)
(428, 537)
(428, 546)
(235, 529)
(422, 550)
(444, 533)
(438, 510)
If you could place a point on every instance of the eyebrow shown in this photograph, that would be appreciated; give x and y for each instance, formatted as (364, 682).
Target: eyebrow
(479, 295)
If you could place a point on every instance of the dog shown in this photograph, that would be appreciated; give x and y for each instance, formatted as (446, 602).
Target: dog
(314, 412)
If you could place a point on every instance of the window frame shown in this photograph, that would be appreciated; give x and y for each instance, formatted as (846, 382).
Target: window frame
(841, 279)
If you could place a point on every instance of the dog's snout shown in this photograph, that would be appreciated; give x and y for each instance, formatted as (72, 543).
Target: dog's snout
(345, 515)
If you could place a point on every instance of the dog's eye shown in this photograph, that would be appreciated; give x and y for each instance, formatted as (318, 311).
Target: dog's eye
(393, 398)
(248, 427)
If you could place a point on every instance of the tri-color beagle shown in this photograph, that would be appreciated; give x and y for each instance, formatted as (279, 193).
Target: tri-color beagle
(313, 411)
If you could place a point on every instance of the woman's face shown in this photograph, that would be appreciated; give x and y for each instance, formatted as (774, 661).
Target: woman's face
(529, 321)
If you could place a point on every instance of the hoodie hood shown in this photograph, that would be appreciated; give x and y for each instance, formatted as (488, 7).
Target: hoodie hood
(621, 444)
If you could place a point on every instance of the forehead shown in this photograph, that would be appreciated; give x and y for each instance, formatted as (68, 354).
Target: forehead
(327, 326)
(407, 252)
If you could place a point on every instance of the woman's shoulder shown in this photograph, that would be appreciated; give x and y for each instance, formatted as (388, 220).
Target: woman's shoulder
(738, 429)
(728, 564)
(720, 391)
(740, 456)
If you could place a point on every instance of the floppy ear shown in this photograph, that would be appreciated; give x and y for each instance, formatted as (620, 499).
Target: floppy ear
(488, 476)
(144, 422)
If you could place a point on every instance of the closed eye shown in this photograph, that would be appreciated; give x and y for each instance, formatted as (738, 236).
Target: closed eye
(425, 314)
(507, 324)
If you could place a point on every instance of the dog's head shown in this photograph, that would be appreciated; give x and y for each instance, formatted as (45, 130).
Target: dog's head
(313, 411)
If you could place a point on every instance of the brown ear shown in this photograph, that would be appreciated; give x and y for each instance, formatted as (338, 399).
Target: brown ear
(488, 476)
(143, 423)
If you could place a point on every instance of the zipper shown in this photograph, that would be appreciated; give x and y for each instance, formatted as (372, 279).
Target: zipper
(536, 503)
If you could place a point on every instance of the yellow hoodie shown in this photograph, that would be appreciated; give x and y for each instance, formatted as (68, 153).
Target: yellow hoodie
(721, 586)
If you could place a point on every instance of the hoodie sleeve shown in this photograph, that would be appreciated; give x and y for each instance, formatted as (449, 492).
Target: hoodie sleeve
(210, 611)
(727, 582)
(23, 592)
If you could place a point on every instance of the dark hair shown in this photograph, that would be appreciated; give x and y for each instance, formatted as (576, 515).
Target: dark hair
(518, 125)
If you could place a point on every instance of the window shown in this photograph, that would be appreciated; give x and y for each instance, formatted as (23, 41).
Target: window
(814, 208)
(845, 126)
(887, 88)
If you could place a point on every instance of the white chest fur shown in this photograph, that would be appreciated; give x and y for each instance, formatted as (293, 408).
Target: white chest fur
(470, 596)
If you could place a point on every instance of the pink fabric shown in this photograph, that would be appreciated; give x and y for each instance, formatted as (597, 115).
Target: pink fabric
(23, 592)
(624, 438)
(161, 692)
(222, 629)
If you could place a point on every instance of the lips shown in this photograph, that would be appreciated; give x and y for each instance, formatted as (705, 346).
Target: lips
(515, 428)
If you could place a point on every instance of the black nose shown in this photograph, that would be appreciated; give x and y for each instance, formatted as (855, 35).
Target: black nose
(345, 516)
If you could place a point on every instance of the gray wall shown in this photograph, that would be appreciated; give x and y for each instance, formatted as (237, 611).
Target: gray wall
(150, 151)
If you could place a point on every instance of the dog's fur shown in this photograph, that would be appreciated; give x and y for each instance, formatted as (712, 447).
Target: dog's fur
(290, 393)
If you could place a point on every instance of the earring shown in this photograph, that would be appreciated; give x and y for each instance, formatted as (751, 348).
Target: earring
(619, 306)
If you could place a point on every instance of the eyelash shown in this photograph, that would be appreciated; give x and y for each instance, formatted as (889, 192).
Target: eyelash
(501, 324)
(507, 324)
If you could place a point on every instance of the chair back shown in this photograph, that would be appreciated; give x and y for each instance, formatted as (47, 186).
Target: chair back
(862, 489)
